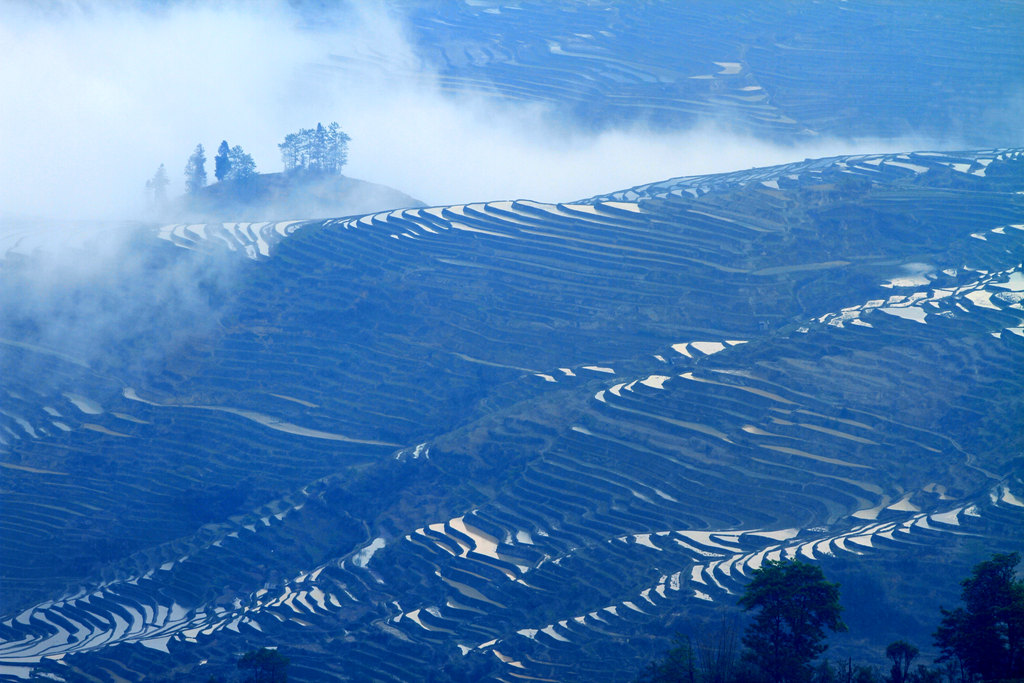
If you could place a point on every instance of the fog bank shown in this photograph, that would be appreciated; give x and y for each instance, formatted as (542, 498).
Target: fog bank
(97, 95)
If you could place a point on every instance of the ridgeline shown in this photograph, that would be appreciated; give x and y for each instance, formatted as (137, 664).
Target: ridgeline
(284, 196)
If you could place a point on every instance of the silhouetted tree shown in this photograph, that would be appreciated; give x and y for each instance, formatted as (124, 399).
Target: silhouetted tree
(796, 604)
(320, 149)
(986, 635)
(292, 153)
(195, 171)
(337, 148)
(222, 162)
(711, 658)
(242, 166)
(824, 673)
(923, 674)
(318, 155)
(157, 187)
(267, 666)
(716, 653)
(902, 654)
(862, 674)
(677, 666)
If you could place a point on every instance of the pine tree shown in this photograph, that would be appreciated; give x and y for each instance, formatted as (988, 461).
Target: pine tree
(222, 162)
(337, 148)
(318, 156)
(290, 154)
(195, 171)
(157, 187)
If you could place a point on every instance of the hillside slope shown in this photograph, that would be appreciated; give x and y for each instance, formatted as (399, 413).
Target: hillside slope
(522, 439)
(782, 71)
(285, 196)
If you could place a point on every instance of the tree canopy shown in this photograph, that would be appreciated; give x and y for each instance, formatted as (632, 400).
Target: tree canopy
(157, 187)
(231, 163)
(901, 653)
(796, 604)
(322, 150)
(980, 641)
(195, 171)
(221, 162)
(266, 666)
(241, 165)
(986, 635)
(677, 666)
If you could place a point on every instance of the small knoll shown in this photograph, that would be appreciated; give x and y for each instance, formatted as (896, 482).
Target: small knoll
(283, 196)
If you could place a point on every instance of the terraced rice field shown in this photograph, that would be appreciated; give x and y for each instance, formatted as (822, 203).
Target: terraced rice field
(784, 72)
(515, 440)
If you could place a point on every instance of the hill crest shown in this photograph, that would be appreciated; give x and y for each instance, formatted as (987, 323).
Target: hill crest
(286, 196)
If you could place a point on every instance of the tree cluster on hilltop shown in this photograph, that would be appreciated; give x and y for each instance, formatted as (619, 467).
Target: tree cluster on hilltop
(981, 641)
(321, 150)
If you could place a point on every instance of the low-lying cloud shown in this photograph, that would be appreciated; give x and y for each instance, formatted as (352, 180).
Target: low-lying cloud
(94, 295)
(97, 95)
